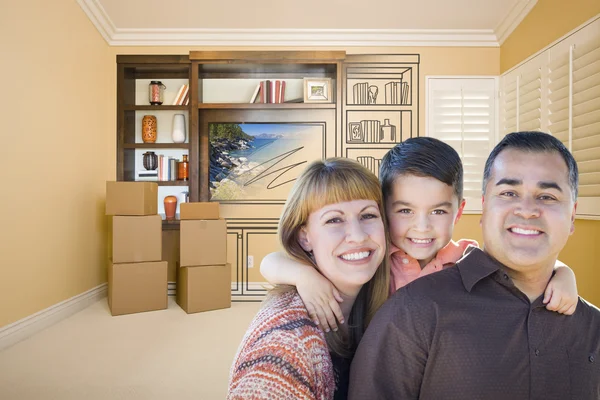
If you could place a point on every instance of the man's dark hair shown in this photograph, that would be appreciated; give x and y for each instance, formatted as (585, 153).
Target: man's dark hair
(534, 142)
(424, 157)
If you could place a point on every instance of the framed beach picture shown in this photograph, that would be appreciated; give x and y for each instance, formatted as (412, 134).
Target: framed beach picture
(259, 162)
(317, 90)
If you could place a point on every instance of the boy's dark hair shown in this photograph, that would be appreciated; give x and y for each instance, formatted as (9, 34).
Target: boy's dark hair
(424, 157)
(534, 142)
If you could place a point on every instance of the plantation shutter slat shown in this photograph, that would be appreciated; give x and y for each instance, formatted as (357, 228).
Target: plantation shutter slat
(462, 114)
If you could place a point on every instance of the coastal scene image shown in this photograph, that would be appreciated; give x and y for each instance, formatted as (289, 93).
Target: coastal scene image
(254, 162)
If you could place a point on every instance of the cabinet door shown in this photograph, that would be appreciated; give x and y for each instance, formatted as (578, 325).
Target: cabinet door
(257, 244)
(234, 257)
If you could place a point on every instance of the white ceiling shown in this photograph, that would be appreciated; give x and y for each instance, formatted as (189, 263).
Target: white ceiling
(306, 22)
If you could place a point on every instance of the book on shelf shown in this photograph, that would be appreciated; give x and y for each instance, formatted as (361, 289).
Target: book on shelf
(298, 100)
(277, 92)
(167, 169)
(262, 91)
(269, 97)
(269, 92)
(182, 94)
(178, 96)
(172, 169)
(255, 94)
(148, 173)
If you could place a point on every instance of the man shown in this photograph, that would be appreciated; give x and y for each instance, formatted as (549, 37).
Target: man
(480, 330)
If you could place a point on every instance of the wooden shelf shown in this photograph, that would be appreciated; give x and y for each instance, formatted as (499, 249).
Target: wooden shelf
(265, 106)
(156, 108)
(173, 183)
(185, 146)
(379, 107)
(168, 183)
(170, 224)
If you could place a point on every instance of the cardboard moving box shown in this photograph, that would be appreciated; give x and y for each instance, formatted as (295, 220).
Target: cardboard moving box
(199, 210)
(204, 288)
(131, 198)
(137, 287)
(203, 242)
(136, 239)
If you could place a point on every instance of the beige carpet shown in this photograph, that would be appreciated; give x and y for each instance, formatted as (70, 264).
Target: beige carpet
(155, 355)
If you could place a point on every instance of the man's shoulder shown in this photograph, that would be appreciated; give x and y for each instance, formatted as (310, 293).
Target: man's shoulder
(588, 310)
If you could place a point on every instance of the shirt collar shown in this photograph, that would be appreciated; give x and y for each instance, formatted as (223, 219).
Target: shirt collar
(474, 266)
(447, 255)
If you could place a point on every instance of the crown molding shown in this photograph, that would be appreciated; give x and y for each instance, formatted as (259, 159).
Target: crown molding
(283, 37)
(97, 14)
(514, 17)
(302, 37)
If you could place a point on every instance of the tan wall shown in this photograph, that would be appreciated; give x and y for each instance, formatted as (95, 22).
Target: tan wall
(53, 239)
(56, 135)
(54, 236)
(548, 21)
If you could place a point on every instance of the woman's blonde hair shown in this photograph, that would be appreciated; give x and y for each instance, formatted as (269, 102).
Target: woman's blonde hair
(331, 181)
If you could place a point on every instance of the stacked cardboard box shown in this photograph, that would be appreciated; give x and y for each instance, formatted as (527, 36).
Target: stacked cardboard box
(137, 278)
(203, 275)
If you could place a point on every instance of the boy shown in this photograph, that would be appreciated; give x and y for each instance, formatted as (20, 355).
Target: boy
(422, 184)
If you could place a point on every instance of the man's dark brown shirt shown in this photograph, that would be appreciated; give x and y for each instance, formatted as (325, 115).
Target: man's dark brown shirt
(468, 333)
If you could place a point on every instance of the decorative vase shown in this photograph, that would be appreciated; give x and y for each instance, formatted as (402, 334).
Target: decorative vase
(183, 169)
(155, 93)
(170, 207)
(149, 129)
(150, 160)
(178, 133)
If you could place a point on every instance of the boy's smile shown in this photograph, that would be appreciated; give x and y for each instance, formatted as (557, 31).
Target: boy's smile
(421, 212)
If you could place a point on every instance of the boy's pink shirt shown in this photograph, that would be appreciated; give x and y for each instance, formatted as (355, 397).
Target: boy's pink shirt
(404, 269)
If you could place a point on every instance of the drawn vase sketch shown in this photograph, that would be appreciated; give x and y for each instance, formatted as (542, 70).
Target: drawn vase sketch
(373, 91)
(388, 131)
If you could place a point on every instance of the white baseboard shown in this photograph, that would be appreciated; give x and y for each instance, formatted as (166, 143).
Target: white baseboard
(28, 326)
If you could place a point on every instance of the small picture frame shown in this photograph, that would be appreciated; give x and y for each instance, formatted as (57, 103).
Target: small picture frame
(355, 133)
(317, 90)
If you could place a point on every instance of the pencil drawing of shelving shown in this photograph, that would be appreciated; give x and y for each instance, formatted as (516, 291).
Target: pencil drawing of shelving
(378, 126)
(371, 163)
(395, 92)
(381, 105)
(369, 158)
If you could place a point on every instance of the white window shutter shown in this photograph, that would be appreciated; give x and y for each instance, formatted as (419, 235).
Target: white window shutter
(462, 113)
(585, 137)
(530, 99)
(558, 94)
(508, 103)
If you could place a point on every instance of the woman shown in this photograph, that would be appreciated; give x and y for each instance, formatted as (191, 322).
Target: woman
(332, 220)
